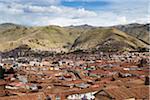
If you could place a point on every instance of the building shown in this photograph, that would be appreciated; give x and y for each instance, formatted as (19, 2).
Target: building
(2, 88)
(123, 93)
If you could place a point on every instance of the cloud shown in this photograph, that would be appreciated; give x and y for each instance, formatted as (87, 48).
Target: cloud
(85, 0)
(62, 11)
(45, 12)
(39, 2)
(122, 20)
(10, 10)
(48, 10)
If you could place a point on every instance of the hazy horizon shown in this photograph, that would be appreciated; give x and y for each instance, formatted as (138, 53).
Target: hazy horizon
(71, 25)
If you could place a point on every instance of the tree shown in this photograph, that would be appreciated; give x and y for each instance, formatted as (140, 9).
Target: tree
(120, 75)
(142, 62)
(113, 79)
(147, 80)
(2, 72)
(10, 71)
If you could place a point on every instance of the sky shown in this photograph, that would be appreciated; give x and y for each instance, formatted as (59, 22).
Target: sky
(74, 12)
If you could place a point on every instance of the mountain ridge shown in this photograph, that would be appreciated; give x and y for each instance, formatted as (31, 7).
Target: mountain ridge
(68, 38)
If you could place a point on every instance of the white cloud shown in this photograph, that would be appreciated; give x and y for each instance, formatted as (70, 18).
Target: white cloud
(55, 10)
(10, 10)
(80, 0)
(122, 20)
(50, 2)
(119, 12)
(62, 21)
(62, 11)
(102, 20)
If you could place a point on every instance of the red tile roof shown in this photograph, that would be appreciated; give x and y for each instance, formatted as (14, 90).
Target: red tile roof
(121, 93)
(2, 82)
(100, 72)
(30, 96)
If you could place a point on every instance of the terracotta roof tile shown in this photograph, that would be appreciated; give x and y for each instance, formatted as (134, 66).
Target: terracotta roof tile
(2, 82)
(31, 96)
(121, 93)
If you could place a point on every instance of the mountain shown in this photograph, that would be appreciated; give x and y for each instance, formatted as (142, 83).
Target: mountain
(42, 38)
(107, 39)
(140, 31)
(85, 26)
(56, 38)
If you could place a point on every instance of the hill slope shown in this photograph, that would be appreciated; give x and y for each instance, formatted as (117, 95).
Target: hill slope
(140, 31)
(56, 38)
(107, 39)
(42, 38)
